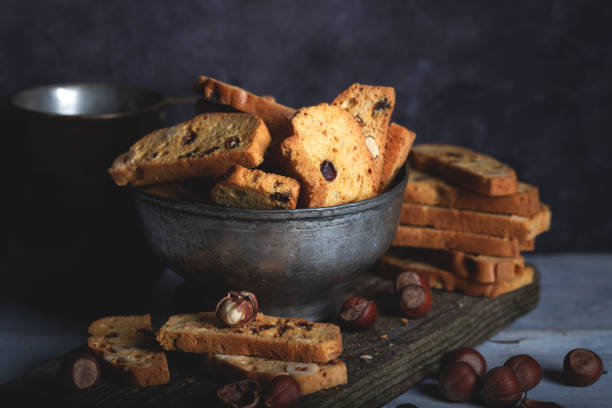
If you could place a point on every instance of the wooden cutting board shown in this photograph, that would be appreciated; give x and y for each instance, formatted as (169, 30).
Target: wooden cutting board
(402, 354)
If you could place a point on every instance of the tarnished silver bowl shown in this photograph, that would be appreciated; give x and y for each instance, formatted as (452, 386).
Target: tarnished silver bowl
(298, 262)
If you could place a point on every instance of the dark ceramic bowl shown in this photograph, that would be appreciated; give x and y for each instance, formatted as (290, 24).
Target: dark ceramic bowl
(298, 262)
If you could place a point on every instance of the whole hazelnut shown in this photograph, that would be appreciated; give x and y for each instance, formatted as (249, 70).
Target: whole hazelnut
(282, 392)
(237, 308)
(500, 388)
(458, 381)
(79, 370)
(527, 370)
(468, 355)
(358, 313)
(241, 394)
(582, 367)
(415, 301)
(410, 278)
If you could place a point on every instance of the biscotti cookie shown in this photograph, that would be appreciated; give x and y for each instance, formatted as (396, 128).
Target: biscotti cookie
(499, 225)
(275, 115)
(126, 344)
(244, 188)
(289, 339)
(431, 238)
(479, 268)
(371, 106)
(208, 144)
(397, 147)
(311, 377)
(427, 189)
(390, 267)
(328, 156)
(464, 167)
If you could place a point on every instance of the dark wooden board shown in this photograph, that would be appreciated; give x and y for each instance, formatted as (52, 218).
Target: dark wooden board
(402, 354)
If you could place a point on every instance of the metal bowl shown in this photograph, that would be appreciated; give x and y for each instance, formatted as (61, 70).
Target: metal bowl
(298, 262)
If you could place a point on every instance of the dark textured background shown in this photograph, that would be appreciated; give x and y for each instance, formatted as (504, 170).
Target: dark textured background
(526, 81)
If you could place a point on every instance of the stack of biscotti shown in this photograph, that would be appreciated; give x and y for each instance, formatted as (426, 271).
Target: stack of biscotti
(465, 221)
(264, 155)
(262, 349)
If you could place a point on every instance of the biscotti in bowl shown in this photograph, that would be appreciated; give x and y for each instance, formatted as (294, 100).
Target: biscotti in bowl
(292, 204)
(299, 262)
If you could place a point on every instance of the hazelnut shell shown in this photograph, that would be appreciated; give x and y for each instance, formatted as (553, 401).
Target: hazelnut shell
(358, 313)
(458, 381)
(527, 370)
(282, 392)
(415, 301)
(500, 388)
(468, 355)
(582, 367)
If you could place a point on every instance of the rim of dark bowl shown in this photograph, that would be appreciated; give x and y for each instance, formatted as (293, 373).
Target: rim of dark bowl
(217, 211)
(158, 102)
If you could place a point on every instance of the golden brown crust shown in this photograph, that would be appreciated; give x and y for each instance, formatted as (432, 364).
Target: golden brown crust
(311, 377)
(327, 139)
(458, 165)
(462, 241)
(244, 188)
(398, 144)
(126, 344)
(372, 107)
(208, 144)
(427, 189)
(391, 266)
(275, 115)
(289, 339)
(499, 225)
(479, 268)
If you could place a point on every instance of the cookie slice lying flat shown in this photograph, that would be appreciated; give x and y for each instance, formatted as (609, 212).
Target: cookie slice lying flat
(432, 238)
(208, 144)
(464, 167)
(328, 155)
(371, 106)
(499, 225)
(311, 377)
(244, 188)
(391, 266)
(289, 339)
(126, 344)
(427, 189)
(479, 268)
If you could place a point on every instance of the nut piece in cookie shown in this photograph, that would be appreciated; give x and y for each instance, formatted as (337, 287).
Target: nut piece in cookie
(244, 188)
(327, 153)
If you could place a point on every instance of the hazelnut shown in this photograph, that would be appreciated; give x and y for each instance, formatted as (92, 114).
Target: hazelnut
(468, 355)
(527, 370)
(415, 301)
(582, 367)
(237, 308)
(358, 313)
(241, 394)
(410, 278)
(282, 392)
(79, 370)
(501, 388)
(458, 381)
